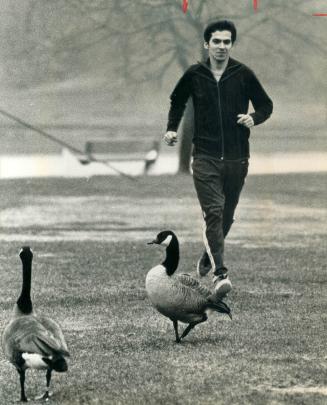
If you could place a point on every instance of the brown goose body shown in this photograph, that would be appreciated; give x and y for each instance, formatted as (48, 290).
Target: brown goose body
(32, 341)
(179, 297)
(30, 335)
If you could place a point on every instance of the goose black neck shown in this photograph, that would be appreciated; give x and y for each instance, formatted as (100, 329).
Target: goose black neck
(24, 301)
(172, 256)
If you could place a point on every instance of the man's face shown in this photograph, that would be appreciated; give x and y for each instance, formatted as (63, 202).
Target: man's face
(219, 45)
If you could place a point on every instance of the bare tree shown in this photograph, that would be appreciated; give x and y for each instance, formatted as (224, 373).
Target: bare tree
(173, 40)
(149, 40)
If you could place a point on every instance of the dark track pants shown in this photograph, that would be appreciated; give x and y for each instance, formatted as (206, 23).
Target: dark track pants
(218, 185)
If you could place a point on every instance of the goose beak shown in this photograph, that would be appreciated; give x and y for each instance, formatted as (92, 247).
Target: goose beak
(154, 241)
(230, 315)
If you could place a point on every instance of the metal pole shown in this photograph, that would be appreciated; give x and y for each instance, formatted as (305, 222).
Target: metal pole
(62, 143)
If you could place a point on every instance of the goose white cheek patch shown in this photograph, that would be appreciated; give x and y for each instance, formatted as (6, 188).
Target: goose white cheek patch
(167, 241)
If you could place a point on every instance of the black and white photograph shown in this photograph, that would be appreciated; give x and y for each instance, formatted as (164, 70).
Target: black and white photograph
(163, 218)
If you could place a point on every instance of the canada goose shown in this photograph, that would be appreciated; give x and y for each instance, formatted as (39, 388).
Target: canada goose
(179, 297)
(31, 341)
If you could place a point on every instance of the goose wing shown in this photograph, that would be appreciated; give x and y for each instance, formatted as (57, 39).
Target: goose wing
(56, 332)
(192, 283)
(193, 296)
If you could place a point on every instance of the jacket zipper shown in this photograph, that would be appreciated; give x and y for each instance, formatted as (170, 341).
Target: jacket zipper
(220, 114)
(221, 125)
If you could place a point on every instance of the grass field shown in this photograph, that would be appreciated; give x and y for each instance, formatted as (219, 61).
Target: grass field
(90, 262)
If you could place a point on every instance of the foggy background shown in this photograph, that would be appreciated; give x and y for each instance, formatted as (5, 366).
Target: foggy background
(83, 69)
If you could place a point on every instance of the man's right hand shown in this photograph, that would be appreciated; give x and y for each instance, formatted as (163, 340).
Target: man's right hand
(170, 138)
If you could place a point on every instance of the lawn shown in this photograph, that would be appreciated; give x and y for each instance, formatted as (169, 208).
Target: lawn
(90, 262)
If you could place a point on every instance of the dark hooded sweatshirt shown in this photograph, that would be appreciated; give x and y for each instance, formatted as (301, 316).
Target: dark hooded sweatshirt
(216, 106)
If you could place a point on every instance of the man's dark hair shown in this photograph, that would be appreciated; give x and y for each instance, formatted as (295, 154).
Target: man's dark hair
(221, 25)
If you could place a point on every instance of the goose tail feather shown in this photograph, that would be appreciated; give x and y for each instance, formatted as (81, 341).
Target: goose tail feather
(59, 364)
(221, 307)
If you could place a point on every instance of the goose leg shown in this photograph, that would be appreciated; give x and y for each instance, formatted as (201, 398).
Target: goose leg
(187, 330)
(46, 395)
(23, 397)
(178, 339)
(192, 325)
(48, 377)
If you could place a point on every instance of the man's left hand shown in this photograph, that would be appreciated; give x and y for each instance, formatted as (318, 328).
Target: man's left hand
(246, 120)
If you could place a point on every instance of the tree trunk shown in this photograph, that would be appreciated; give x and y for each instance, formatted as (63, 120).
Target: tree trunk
(187, 130)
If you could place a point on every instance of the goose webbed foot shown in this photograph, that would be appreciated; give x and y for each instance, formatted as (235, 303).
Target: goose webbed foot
(178, 339)
(44, 397)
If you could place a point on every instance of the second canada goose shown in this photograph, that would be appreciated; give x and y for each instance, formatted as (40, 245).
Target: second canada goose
(31, 341)
(179, 297)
